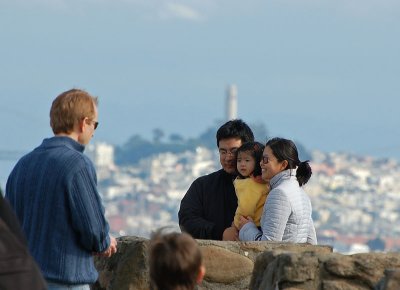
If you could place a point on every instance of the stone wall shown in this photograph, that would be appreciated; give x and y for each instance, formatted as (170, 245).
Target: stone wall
(258, 265)
(333, 271)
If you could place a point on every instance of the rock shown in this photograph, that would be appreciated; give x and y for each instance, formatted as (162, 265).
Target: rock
(224, 266)
(297, 267)
(127, 269)
(285, 270)
(391, 280)
(368, 268)
(341, 285)
(258, 265)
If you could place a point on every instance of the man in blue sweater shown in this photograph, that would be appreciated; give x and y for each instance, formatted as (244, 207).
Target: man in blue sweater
(53, 191)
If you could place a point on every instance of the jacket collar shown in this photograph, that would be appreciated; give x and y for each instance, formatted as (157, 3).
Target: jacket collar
(57, 141)
(227, 175)
(282, 176)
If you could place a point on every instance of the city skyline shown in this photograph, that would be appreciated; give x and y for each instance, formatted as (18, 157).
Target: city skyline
(323, 73)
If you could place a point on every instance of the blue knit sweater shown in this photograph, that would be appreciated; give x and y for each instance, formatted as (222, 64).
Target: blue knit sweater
(53, 192)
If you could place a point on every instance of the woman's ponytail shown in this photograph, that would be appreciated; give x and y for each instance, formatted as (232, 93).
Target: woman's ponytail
(304, 172)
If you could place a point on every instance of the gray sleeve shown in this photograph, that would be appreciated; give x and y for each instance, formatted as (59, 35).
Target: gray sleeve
(312, 236)
(276, 213)
(250, 232)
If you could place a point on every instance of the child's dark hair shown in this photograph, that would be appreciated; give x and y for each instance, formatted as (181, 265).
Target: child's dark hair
(284, 149)
(235, 129)
(174, 261)
(256, 151)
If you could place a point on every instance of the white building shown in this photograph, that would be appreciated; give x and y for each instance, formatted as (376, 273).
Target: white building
(101, 153)
(231, 102)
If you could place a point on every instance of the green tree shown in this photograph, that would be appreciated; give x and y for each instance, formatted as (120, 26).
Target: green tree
(158, 134)
(260, 132)
(133, 150)
(137, 148)
(176, 138)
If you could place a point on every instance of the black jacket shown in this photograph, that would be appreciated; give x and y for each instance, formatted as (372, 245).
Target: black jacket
(18, 270)
(8, 216)
(209, 206)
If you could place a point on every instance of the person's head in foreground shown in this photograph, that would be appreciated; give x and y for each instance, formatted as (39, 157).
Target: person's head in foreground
(175, 261)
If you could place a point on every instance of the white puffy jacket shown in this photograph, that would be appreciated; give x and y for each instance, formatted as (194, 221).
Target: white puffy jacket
(287, 214)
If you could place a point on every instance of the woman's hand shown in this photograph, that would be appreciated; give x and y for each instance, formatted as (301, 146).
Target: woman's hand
(230, 234)
(244, 221)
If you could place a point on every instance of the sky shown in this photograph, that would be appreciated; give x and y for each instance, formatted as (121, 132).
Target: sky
(323, 73)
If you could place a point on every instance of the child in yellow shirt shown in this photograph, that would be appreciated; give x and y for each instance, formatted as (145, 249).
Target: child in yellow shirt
(251, 190)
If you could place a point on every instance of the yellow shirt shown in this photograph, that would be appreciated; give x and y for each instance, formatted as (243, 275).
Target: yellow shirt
(251, 197)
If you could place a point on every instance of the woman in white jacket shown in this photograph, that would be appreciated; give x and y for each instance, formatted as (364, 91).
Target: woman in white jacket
(287, 212)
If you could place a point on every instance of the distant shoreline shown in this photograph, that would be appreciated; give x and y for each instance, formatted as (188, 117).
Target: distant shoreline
(5, 169)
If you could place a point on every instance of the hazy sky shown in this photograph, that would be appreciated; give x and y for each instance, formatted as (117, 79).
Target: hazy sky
(326, 73)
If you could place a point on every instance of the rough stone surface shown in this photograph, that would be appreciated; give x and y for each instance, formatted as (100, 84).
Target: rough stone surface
(298, 268)
(391, 281)
(285, 270)
(127, 269)
(259, 265)
(226, 267)
(326, 271)
(341, 285)
(367, 269)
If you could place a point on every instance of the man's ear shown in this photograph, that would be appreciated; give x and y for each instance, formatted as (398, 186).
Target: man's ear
(201, 274)
(81, 124)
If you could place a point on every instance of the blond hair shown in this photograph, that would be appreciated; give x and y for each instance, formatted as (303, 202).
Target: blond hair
(70, 107)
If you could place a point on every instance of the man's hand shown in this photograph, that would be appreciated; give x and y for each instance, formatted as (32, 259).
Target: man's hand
(112, 249)
(230, 234)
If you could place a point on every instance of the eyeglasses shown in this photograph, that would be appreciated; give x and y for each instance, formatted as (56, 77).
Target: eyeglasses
(231, 152)
(265, 159)
(95, 123)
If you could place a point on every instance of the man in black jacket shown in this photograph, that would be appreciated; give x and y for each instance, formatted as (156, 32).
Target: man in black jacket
(208, 207)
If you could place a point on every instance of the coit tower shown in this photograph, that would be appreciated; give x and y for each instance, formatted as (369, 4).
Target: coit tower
(231, 102)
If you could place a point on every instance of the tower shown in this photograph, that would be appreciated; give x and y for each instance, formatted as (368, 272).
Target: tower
(231, 102)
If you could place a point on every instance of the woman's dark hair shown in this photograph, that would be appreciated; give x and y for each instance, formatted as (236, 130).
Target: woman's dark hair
(284, 149)
(235, 129)
(256, 151)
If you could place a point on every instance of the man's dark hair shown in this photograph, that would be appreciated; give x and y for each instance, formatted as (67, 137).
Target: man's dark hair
(235, 129)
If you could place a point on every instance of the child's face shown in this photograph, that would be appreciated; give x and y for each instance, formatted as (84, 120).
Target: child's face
(245, 163)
